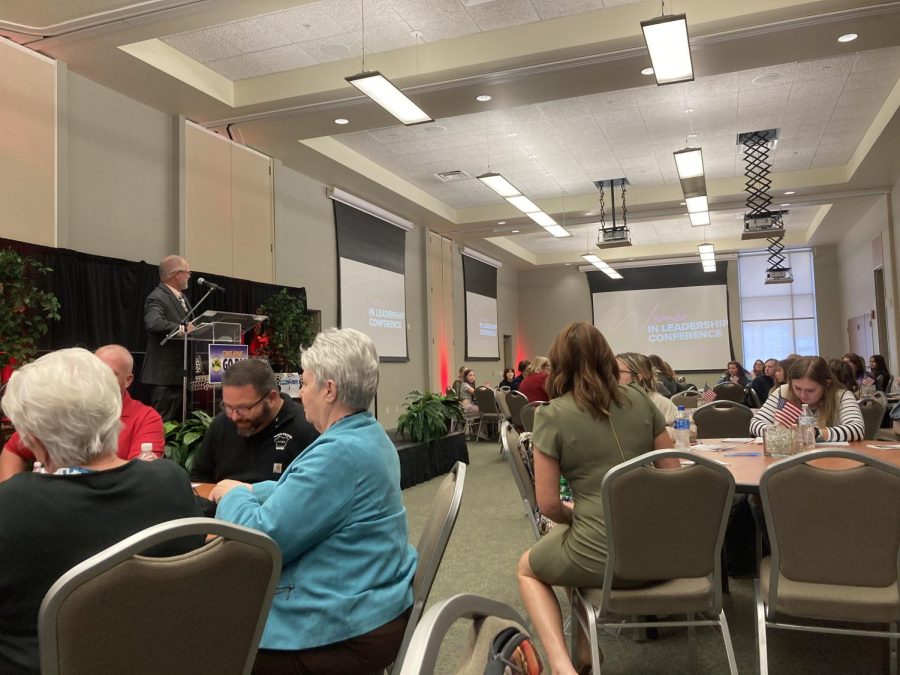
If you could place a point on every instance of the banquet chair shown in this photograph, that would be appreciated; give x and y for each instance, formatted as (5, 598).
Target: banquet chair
(490, 413)
(723, 419)
(516, 401)
(835, 542)
(872, 410)
(430, 548)
(489, 617)
(117, 612)
(509, 439)
(689, 398)
(502, 405)
(649, 541)
(527, 414)
(729, 391)
(752, 397)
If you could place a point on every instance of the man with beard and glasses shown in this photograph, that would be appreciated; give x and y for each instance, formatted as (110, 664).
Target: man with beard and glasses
(258, 433)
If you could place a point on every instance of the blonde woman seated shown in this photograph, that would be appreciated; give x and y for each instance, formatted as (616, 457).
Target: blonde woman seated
(591, 424)
(636, 369)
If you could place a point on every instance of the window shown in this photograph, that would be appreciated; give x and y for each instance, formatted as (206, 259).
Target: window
(777, 319)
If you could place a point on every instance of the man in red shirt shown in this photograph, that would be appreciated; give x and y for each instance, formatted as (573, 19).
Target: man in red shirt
(140, 423)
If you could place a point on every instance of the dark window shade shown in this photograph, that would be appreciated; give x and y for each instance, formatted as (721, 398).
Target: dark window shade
(370, 240)
(479, 277)
(668, 276)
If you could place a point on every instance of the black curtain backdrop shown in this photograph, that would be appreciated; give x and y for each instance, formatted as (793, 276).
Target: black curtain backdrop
(102, 299)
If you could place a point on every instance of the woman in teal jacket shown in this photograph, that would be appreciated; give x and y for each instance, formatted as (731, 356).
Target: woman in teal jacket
(337, 515)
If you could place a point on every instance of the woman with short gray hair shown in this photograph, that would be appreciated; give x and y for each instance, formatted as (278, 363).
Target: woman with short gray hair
(66, 407)
(337, 515)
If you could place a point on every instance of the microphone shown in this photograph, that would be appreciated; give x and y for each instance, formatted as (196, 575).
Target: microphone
(209, 284)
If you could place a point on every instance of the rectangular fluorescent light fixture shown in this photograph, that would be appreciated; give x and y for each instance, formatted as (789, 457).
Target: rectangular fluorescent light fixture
(602, 266)
(542, 219)
(707, 256)
(698, 219)
(381, 90)
(524, 204)
(697, 204)
(670, 50)
(558, 231)
(689, 163)
(709, 267)
(499, 184)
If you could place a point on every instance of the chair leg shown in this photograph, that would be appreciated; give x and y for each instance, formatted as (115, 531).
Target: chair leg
(763, 650)
(892, 651)
(692, 644)
(729, 647)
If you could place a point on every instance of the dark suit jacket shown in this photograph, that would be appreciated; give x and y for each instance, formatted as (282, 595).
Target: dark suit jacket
(163, 365)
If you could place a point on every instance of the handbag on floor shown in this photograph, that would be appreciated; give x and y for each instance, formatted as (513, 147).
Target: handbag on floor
(513, 652)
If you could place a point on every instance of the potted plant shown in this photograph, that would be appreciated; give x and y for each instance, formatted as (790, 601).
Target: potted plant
(25, 309)
(288, 328)
(428, 416)
(183, 439)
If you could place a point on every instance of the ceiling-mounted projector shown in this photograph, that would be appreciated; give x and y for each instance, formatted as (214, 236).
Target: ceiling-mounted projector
(613, 237)
(764, 225)
(779, 275)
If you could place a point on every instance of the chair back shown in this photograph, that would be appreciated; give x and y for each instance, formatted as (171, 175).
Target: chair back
(509, 440)
(502, 405)
(431, 546)
(753, 398)
(516, 400)
(527, 414)
(729, 391)
(648, 539)
(450, 391)
(872, 410)
(723, 419)
(118, 611)
(828, 526)
(689, 398)
(489, 617)
(486, 401)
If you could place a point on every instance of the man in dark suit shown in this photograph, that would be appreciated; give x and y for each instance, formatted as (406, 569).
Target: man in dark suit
(164, 310)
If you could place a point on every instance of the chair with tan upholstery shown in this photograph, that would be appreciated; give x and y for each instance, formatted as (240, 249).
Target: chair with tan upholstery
(509, 439)
(729, 391)
(835, 541)
(648, 540)
(723, 419)
(516, 401)
(689, 398)
(872, 410)
(527, 414)
(489, 617)
(490, 413)
(121, 612)
(431, 546)
(502, 405)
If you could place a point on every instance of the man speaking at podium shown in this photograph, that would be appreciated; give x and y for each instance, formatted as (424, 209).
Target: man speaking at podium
(164, 310)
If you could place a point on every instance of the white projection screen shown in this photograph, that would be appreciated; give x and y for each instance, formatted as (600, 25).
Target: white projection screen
(687, 325)
(371, 267)
(480, 283)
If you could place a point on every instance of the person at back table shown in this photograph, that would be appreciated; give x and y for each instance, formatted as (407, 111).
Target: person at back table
(66, 407)
(879, 372)
(509, 376)
(164, 308)
(524, 365)
(636, 369)
(258, 433)
(762, 384)
(736, 374)
(140, 423)
(534, 386)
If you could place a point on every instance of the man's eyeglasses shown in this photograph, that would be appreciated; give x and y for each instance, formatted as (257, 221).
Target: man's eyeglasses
(240, 410)
(188, 272)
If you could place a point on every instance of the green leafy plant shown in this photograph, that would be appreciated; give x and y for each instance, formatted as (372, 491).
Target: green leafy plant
(25, 309)
(183, 439)
(428, 416)
(289, 327)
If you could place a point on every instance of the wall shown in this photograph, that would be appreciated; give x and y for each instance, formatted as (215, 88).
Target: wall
(550, 299)
(832, 328)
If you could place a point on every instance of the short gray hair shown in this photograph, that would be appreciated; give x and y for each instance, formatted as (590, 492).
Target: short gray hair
(169, 265)
(347, 357)
(70, 401)
(119, 353)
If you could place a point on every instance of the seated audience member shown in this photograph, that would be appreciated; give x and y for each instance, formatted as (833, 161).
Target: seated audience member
(763, 384)
(759, 367)
(337, 515)
(524, 365)
(636, 369)
(509, 375)
(837, 413)
(781, 372)
(457, 383)
(666, 380)
(879, 372)
(467, 392)
(258, 433)
(140, 423)
(534, 386)
(845, 374)
(66, 407)
(859, 366)
(735, 374)
(591, 424)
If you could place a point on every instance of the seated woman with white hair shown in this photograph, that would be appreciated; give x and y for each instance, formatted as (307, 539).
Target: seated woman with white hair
(66, 407)
(337, 515)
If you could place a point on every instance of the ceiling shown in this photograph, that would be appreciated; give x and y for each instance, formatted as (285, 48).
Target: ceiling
(569, 105)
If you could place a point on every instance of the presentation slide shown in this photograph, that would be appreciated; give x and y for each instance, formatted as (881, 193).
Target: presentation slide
(373, 301)
(687, 327)
(481, 327)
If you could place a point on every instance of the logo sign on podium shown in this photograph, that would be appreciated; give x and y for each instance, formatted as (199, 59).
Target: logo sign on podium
(222, 357)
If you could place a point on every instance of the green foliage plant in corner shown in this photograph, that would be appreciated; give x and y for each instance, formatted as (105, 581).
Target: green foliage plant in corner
(183, 439)
(25, 309)
(428, 416)
(289, 327)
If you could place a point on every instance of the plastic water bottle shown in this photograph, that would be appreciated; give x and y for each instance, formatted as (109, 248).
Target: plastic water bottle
(37, 467)
(682, 430)
(147, 454)
(806, 430)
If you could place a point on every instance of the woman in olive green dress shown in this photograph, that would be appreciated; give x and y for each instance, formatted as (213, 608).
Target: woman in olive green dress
(590, 425)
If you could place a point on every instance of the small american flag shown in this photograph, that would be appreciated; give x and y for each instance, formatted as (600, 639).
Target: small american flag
(708, 394)
(868, 381)
(786, 413)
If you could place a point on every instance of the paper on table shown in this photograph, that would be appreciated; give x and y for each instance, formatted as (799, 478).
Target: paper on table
(685, 462)
(193, 485)
(832, 444)
(737, 440)
(710, 447)
(885, 446)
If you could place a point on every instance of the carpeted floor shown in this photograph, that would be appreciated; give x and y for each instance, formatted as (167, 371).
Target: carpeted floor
(491, 534)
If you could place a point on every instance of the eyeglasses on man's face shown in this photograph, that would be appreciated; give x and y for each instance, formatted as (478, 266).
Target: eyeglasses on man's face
(241, 410)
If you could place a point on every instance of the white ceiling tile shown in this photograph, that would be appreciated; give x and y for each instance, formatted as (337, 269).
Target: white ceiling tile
(253, 35)
(878, 59)
(202, 45)
(239, 67)
(308, 22)
(333, 48)
(388, 37)
(436, 27)
(288, 57)
(502, 14)
(549, 9)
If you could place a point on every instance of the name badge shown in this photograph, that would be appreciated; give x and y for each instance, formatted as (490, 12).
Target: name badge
(276, 467)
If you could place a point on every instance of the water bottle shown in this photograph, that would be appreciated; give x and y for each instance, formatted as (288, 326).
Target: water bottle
(147, 454)
(682, 430)
(806, 430)
(37, 467)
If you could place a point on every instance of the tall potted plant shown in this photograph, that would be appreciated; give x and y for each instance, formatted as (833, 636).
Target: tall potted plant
(25, 309)
(428, 416)
(288, 328)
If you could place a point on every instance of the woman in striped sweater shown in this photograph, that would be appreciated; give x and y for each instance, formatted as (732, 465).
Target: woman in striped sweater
(810, 381)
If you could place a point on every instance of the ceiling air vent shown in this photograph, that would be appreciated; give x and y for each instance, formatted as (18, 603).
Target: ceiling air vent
(452, 176)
